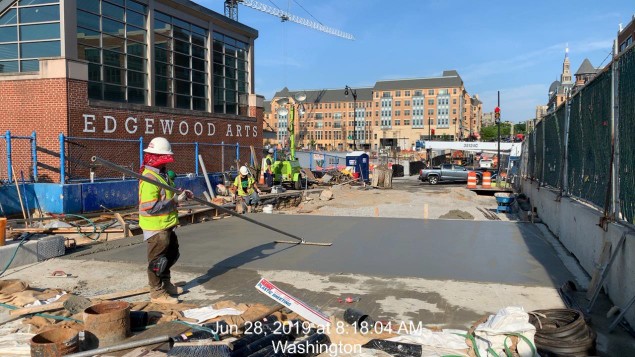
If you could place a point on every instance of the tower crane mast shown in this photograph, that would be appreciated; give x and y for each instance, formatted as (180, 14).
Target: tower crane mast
(231, 11)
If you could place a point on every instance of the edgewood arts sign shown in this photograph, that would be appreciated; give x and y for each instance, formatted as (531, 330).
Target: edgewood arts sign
(167, 127)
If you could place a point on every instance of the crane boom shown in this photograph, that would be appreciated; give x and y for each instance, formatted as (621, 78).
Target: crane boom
(231, 10)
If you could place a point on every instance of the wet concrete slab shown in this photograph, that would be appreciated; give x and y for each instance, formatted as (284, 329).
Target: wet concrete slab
(476, 251)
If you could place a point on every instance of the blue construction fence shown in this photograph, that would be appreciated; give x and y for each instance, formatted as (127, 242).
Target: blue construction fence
(87, 188)
(75, 153)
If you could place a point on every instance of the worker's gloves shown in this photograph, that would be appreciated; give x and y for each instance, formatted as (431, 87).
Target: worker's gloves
(184, 196)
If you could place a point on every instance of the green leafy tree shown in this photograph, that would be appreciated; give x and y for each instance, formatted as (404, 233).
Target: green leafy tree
(520, 128)
(489, 133)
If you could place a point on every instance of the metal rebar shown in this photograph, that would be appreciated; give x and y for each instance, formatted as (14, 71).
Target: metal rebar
(123, 346)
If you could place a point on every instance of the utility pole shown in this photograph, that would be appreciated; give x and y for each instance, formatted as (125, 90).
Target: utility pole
(497, 116)
(354, 93)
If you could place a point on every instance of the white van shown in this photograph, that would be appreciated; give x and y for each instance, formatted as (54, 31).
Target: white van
(486, 163)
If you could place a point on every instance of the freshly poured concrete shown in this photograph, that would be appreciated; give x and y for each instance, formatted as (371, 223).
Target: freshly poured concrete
(477, 251)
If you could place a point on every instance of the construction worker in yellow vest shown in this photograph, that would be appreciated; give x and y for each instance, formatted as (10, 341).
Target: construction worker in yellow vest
(269, 168)
(158, 217)
(246, 189)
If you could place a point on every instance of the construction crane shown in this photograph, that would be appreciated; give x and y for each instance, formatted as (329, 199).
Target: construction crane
(231, 11)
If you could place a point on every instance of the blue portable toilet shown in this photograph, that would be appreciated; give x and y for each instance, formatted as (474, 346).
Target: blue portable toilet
(357, 162)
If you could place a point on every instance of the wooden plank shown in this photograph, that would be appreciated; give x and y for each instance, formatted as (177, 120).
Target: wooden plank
(60, 305)
(597, 274)
(68, 230)
(124, 225)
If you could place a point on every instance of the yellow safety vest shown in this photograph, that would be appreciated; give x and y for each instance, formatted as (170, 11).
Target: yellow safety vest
(149, 195)
(239, 185)
(268, 167)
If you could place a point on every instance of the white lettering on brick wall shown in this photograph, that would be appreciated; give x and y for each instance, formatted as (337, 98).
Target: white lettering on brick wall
(198, 128)
(165, 127)
(108, 120)
(149, 126)
(134, 127)
(181, 126)
(89, 123)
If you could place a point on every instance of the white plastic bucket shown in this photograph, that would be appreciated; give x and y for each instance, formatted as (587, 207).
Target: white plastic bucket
(267, 209)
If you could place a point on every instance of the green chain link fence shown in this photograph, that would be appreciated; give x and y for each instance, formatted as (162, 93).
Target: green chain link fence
(554, 147)
(589, 149)
(626, 132)
(539, 150)
(589, 166)
(531, 152)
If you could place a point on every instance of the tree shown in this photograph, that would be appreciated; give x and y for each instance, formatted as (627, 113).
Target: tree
(490, 133)
(520, 128)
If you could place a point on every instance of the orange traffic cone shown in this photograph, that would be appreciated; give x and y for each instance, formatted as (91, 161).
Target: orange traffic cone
(261, 181)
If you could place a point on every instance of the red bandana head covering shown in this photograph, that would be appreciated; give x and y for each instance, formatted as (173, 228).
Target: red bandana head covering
(156, 160)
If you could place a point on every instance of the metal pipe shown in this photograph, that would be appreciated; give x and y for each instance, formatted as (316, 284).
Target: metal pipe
(123, 346)
(7, 138)
(209, 185)
(222, 159)
(34, 154)
(615, 193)
(140, 152)
(196, 157)
(62, 159)
(130, 173)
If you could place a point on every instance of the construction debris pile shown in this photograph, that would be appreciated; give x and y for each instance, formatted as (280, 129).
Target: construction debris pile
(56, 323)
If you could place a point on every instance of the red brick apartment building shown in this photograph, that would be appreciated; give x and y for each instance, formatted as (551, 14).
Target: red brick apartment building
(392, 113)
(124, 70)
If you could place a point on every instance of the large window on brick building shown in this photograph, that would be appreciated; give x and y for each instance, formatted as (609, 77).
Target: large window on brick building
(29, 30)
(111, 36)
(230, 74)
(180, 63)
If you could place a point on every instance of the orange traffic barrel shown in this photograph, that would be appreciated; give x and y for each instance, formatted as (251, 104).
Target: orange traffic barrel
(471, 179)
(487, 179)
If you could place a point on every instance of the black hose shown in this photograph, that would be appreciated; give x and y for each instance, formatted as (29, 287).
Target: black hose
(562, 332)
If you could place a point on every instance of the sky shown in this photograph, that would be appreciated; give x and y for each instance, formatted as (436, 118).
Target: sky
(515, 47)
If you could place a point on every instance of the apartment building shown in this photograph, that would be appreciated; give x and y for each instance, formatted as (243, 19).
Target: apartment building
(392, 113)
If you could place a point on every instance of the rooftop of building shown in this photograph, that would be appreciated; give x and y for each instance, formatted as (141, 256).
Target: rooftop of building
(586, 68)
(328, 95)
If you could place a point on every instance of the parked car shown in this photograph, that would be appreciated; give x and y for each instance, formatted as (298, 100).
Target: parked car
(486, 163)
(446, 173)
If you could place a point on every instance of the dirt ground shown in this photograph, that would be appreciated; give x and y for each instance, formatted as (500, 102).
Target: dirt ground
(409, 198)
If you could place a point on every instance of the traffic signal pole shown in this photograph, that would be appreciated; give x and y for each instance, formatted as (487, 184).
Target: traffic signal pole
(498, 123)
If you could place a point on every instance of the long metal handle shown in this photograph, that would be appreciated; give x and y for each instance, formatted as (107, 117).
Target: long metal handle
(130, 173)
(123, 346)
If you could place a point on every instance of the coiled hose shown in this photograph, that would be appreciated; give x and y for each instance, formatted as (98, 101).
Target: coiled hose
(96, 229)
(562, 332)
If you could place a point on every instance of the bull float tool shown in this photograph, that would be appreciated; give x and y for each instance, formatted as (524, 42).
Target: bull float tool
(131, 173)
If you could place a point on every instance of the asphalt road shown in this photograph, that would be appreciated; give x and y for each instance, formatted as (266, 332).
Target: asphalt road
(476, 251)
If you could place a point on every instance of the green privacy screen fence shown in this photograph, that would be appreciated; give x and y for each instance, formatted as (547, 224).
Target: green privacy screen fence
(570, 148)
(626, 134)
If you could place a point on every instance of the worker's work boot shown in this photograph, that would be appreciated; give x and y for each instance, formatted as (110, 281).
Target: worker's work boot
(162, 297)
(172, 289)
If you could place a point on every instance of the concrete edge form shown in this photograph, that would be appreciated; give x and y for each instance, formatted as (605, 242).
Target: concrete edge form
(576, 226)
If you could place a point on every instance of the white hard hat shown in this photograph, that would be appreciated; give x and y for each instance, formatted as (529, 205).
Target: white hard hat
(271, 151)
(160, 146)
(244, 171)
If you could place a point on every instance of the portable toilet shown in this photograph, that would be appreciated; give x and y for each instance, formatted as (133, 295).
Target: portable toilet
(357, 162)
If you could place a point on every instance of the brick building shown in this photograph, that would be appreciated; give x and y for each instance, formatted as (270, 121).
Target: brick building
(393, 113)
(112, 74)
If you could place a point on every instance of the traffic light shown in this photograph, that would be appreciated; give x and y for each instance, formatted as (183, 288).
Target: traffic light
(497, 115)
(432, 130)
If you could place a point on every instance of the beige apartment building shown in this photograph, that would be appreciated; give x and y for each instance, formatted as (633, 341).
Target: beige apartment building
(393, 113)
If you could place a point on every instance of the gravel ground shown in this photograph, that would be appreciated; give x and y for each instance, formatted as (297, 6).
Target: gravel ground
(409, 198)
